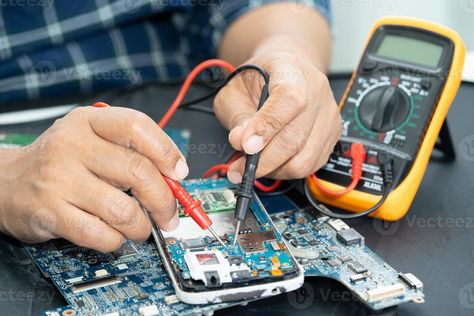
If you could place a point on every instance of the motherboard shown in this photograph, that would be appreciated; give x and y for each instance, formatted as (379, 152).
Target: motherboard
(330, 248)
(132, 280)
(200, 263)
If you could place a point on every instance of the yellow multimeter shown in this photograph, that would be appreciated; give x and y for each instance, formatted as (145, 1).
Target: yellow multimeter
(395, 105)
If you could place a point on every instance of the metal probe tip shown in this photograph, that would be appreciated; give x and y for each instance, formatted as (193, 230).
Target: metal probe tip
(215, 235)
(237, 228)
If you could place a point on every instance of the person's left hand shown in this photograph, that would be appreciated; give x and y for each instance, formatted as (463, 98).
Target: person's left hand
(297, 127)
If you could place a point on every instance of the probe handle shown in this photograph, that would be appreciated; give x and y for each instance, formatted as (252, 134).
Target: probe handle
(191, 206)
(245, 192)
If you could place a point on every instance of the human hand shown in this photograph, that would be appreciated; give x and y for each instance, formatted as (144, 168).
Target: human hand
(297, 127)
(69, 183)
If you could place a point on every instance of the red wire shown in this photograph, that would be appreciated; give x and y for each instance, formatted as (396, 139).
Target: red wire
(215, 169)
(269, 188)
(358, 155)
(187, 83)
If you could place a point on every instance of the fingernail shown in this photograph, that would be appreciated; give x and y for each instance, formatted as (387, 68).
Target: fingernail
(254, 144)
(234, 177)
(173, 223)
(181, 169)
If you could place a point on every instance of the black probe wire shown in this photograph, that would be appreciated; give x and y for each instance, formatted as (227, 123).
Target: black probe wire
(238, 70)
(387, 174)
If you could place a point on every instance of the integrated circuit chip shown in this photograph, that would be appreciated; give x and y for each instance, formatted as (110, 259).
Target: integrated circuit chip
(350, 237)
(193, 243)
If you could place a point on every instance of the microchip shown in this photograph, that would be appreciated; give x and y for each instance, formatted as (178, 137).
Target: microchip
(219, 197)
(350, 237)
(313, 243)
(287, 236)
(334, 262)
(193, 243)
(357, 267)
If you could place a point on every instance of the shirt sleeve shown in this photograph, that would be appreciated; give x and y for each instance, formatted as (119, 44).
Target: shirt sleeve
(224, 14)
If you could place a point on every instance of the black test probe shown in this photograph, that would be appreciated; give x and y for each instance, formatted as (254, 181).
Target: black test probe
(245, 192)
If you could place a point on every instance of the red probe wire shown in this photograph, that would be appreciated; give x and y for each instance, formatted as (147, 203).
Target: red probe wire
(358, 155)
(187, 83)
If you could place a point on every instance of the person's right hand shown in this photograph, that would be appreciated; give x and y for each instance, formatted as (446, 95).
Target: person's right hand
(70, 182)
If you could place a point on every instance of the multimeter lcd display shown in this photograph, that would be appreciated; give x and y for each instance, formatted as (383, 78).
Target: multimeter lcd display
(410, 50)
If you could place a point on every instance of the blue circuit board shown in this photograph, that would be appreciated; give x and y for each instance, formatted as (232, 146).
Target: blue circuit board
(132, 281)
(259, 253)
(330, 248)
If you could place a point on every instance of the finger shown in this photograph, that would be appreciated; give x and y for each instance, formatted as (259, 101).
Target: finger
(113, 207)
(281, 148)
(234, 104)
(282, 107)
(86, 230)
(234, 108)
(315, 153)
(133, 129)
(131, 170)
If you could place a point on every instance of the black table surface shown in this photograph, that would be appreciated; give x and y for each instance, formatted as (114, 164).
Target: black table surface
(435, 240)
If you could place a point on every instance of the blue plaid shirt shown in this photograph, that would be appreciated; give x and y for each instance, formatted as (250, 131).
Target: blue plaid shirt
(59, 48)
